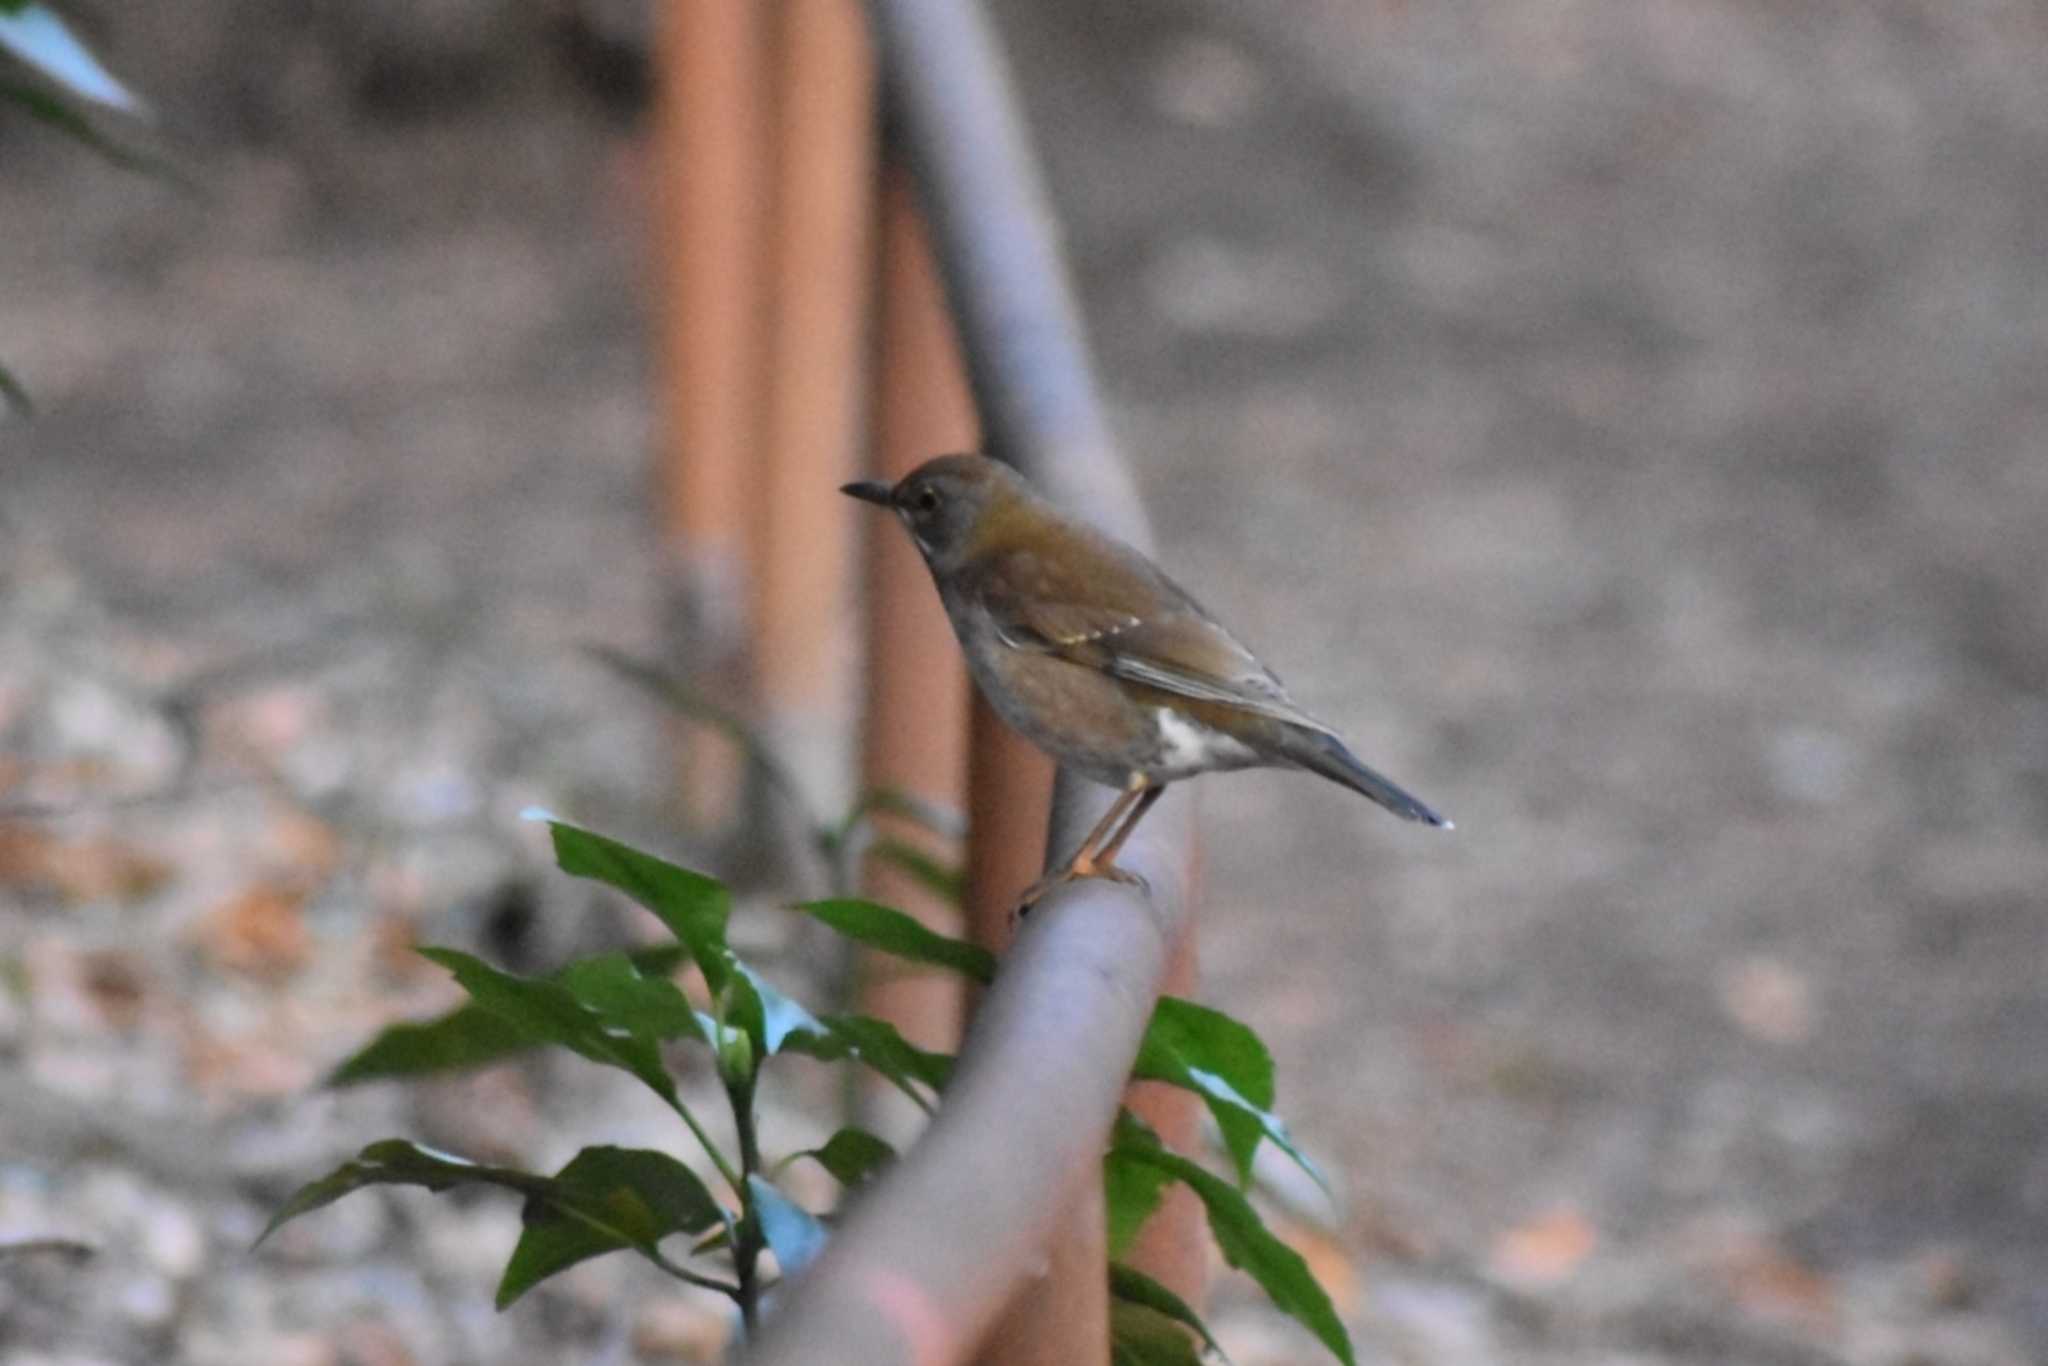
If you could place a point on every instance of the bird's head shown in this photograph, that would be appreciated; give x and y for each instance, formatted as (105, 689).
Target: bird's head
(947, 503)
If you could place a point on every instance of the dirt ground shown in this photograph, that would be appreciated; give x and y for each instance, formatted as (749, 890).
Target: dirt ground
(1623, 419)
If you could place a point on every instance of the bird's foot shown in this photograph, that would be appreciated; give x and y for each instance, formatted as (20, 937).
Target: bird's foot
(1035, 893)
(1109, 872)
(1079, 868)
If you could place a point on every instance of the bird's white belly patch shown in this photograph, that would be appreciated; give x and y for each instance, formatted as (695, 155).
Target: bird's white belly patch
(1188, 745)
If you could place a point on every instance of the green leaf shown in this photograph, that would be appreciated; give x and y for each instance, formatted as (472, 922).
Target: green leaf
(397, 1162)
(768, 1016)
(1130, 1286)
(902, 936)
(1225, 1063)
(950, 884)
(468, 1036)
(603, 1200)
(877, 1044)
(794, 1234)
(1132, 1191)
(695, 908)
(675, 1197)
(36, 36)
(550, 1012)
(606, 1199)
(1142, 1336)
(622, 995)
(658, 960)
(1242, 1235)
(852, 1155)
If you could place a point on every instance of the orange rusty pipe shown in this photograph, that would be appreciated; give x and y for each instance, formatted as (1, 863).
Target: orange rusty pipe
(915, 726)
(709, 150)
(926, 1262)
(1061, 1318)
(821, 268)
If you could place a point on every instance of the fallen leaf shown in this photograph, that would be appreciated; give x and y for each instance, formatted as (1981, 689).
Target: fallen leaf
(76, 991)
(1544, 1251)
(1767, 999)
(1737, 1251)
(220, 1066)
(114, 982)
(297, 1349)
(301, 847)
(80, 871)
(1768, 1282)
(269, 721)
(261, 932)
(1949, 1281)
(682, 1328)
(393, 939)
(1378, 1234)
(372, 1342)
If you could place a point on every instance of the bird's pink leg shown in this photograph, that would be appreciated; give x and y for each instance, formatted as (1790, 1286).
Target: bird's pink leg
(1105, 857)
(1097, 854)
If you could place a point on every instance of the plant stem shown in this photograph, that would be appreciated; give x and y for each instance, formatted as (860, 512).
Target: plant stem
(696, 1278)
(746, 1247)
(649, 1251)
(718, 1159)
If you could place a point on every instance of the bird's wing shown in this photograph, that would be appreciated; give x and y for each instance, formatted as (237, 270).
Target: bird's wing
(1173, 646)
(1194, 657)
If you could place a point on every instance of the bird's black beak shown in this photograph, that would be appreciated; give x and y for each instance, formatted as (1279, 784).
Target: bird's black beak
(869, 491)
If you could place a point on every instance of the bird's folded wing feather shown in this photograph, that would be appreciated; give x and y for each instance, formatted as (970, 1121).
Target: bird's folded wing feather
(1175, 647)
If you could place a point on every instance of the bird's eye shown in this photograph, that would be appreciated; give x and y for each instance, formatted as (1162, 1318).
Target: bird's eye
(927, 500)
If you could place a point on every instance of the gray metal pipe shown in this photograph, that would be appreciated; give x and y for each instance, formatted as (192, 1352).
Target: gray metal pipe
(927, 1259)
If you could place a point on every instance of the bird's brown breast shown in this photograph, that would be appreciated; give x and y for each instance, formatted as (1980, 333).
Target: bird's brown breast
(1104, 727)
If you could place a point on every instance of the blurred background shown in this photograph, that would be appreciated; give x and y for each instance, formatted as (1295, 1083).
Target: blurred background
(1622, 419)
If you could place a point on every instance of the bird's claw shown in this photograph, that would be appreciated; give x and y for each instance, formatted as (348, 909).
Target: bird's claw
(1032, 895)
(1108, 872)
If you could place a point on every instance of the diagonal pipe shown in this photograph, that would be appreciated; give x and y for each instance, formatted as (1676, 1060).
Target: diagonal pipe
(926, 1262)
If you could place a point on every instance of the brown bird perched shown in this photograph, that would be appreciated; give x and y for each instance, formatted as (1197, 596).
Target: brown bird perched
(1094, 655)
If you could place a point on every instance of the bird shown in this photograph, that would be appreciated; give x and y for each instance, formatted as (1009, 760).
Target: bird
(1086, 648)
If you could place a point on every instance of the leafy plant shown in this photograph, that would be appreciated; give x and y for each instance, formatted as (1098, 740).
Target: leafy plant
(619, 1009)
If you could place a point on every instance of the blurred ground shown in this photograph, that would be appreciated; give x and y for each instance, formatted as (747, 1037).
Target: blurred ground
(1623, 419)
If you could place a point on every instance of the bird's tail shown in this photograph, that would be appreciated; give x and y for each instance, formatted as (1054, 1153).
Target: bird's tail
(1322, 753)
